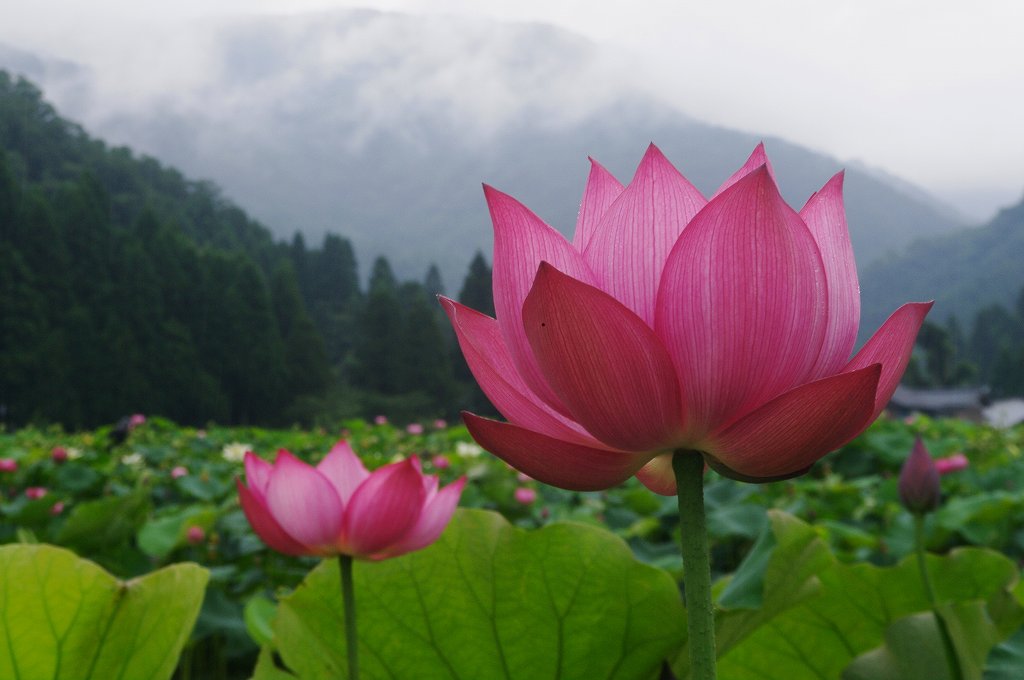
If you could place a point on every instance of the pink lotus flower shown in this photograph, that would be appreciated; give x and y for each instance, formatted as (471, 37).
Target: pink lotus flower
(179, 471)
(59, 454)
(440, 462)
(672, 322)
(340, 508)
(195, 535)
(380, 420)
(524, 495)
(57, 508)
(440, 424)
(414, 428)
(8, 465)
(954, 463)
(919, 481)
(135, 420)
(35, 492)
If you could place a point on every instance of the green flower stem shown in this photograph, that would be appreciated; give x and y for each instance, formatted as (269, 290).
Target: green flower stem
(348, 594)
(700, 616)
(947, 641)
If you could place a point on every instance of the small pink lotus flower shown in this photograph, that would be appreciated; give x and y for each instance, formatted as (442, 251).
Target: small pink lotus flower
(676, 323)
(59, 454)
(954, 463)
(35, 492)
(919, 481)
(195, 535)
(440, 424)
(525, 495)
(135, 420)
(380, 420)
(57, 508)
(8, 465)
(414, 428)
(440, 462)
(179, 471)
(339, 507)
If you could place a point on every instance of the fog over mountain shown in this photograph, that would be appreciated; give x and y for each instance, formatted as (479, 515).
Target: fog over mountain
(381, 127)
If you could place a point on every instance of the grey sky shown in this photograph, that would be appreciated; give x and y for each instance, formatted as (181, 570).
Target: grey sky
(930, 91)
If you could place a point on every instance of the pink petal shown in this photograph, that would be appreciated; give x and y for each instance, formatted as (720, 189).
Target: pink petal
(891, 346)
(521, 242)
(658, 475)
(826, 218)
(264, 524)
(304, 503)
(343, 470)
(437, 512)
(788, 434)
(742, 306)
(604, 363)
(757, 158)
(257, 474)
(552, 461)
(602, 189)
(492, 366)
(383, 509)
(954, 463)
(632, 241)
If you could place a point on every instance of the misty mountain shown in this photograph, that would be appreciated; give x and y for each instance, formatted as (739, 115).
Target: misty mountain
(382, 126)
(963, 272)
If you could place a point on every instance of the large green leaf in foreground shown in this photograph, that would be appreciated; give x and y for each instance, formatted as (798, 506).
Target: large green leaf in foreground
(65, 618)
(489, 600)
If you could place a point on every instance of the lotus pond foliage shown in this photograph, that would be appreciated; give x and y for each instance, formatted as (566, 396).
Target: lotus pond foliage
(780, 552)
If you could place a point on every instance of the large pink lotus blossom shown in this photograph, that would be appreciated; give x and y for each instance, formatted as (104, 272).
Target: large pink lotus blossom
(672, 322)
(338, 507)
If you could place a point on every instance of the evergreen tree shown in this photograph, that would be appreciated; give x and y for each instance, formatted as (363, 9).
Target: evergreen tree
(476, 287)
(379, 336)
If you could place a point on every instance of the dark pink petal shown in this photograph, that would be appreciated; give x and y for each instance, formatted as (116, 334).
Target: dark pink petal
(954, 463)
(492, 366)
(383, 509)
(658, 475)
(265, 526)
(603, 362)
(791, 432)
(559, 463)
(826, 218)
(919, 486)
(304, 503)
(437, 512)
(257, 474)
(629, 247)
(742, 307)
(757, 158)
(891, 346)
(521, 242)
(602, 189)
(343, 470)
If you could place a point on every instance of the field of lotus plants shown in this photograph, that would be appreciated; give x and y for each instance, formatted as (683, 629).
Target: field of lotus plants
(813, 577)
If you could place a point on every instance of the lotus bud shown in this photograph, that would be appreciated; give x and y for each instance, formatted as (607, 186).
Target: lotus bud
(919, 481)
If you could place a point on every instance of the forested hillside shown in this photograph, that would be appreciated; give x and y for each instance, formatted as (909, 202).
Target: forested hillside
(125, 286)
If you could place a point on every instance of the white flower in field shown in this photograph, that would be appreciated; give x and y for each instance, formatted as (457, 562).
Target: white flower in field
(467, 449)
(235, 452)
(132, 459)
(73, 453)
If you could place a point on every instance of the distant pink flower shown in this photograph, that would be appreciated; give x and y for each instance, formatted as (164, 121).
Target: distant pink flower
(57, 508)
(414, 428)
(179, 471)
(8, 465)
(954, 463)
(440, 462)
(672, 322)
(136, 420)
(59, 454)
(195, 535)
(440, 424)
(339, 507)
(525, 495)
(919, 481)
(35, 492)
(380, 420)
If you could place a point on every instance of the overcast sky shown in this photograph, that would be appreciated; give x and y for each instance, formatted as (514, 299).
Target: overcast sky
(930, 91)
